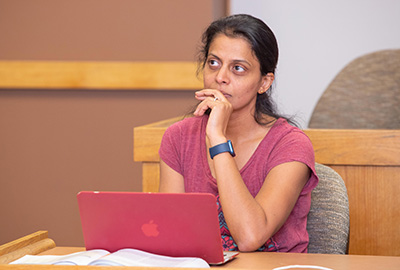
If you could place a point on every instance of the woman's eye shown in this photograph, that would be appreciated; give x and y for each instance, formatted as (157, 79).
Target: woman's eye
(213, 63)
(238, 68)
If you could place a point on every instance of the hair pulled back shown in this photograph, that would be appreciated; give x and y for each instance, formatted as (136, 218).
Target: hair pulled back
(264, 46)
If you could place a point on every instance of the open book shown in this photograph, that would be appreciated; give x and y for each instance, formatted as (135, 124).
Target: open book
(123, 257)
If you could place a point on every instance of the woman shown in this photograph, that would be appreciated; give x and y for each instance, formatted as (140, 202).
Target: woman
(264, 185)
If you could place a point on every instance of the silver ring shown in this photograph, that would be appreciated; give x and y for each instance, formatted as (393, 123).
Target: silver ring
(215, 99)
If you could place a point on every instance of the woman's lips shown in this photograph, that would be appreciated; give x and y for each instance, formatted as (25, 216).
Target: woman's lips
(225, 94)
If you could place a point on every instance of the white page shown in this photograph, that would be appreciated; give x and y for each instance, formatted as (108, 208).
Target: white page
(78, 258)
(34, 259)
(132, 257)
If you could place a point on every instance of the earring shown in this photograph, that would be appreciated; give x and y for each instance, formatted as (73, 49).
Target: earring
(263, 90)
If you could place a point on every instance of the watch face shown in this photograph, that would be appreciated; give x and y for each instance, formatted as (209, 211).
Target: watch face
(231, 148)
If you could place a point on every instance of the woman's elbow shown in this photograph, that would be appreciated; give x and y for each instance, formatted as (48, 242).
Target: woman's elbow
(250, 243)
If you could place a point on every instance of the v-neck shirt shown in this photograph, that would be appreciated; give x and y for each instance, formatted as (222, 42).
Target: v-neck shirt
(183, 148)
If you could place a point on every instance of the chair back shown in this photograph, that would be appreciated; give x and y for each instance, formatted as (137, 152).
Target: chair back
(364, 95)
(328, 221)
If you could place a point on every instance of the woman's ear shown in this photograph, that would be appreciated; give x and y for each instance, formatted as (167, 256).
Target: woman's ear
(267, 81)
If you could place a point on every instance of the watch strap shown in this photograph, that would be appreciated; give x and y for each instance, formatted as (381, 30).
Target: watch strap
(222, 148)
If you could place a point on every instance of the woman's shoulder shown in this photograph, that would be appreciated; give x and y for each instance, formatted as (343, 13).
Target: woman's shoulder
(189, 120)
(282, 128)
(282, 133)
(187, 125)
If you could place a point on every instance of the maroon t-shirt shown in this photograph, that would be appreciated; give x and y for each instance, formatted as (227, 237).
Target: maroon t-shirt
(183, 148)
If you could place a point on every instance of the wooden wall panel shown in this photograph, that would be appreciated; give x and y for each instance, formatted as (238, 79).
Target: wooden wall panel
(374, 208)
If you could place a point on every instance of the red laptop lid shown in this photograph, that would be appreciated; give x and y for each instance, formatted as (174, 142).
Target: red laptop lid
(180, 225)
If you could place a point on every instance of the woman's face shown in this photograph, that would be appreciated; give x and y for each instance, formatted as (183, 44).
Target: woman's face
(232, 68)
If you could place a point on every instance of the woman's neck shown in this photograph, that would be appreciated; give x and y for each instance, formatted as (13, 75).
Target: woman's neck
(244, 126)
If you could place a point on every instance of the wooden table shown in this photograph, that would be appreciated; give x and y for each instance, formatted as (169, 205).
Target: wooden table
(253, 260)
(39, 243)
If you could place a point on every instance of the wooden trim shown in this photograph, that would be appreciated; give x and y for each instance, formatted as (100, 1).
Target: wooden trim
(151, 176)
(32, 244)
(346, 147)
(228, 7)
(99, 75)
(147, 140)
(378, 147)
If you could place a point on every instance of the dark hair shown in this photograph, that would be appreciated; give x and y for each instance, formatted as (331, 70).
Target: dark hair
(264, 46)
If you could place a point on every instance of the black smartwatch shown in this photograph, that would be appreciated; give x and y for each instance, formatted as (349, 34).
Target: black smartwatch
(221, 148)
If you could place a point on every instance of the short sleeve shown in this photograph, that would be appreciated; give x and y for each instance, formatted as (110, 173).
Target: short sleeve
(170, 147)
(296, 146)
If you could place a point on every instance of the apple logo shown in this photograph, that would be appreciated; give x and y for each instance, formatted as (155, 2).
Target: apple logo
(150, 229)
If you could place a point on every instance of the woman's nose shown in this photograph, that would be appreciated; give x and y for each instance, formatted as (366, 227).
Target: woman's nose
(222, 76)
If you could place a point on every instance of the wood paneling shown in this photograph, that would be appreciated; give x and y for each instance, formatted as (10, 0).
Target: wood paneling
(374, 208)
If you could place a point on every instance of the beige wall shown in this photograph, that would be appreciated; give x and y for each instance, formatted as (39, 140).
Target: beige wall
(103, 29)
(54, 143)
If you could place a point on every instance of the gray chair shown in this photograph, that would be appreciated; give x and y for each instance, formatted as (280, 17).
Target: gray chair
(328, 220)
(364, 95)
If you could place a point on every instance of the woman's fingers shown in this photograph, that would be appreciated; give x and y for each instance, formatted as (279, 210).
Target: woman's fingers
(202, 108)
(221, 110)
(207, 103)
(206, 93)
(209, 98)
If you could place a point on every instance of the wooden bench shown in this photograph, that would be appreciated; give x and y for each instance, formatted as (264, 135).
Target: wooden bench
(367, 160)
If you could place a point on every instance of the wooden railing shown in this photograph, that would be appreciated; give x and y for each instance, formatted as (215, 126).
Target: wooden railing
(32, 244)
(367, 160)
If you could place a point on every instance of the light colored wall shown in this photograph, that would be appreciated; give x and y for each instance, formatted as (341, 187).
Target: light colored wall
(318, 38)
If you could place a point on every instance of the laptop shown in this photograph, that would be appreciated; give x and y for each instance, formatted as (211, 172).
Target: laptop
(170, 224)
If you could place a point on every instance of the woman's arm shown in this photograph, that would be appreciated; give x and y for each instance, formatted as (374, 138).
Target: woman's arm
(252, 221)
(170, 180)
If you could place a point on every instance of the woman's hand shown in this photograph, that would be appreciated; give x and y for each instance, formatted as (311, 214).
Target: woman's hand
(221, 111)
